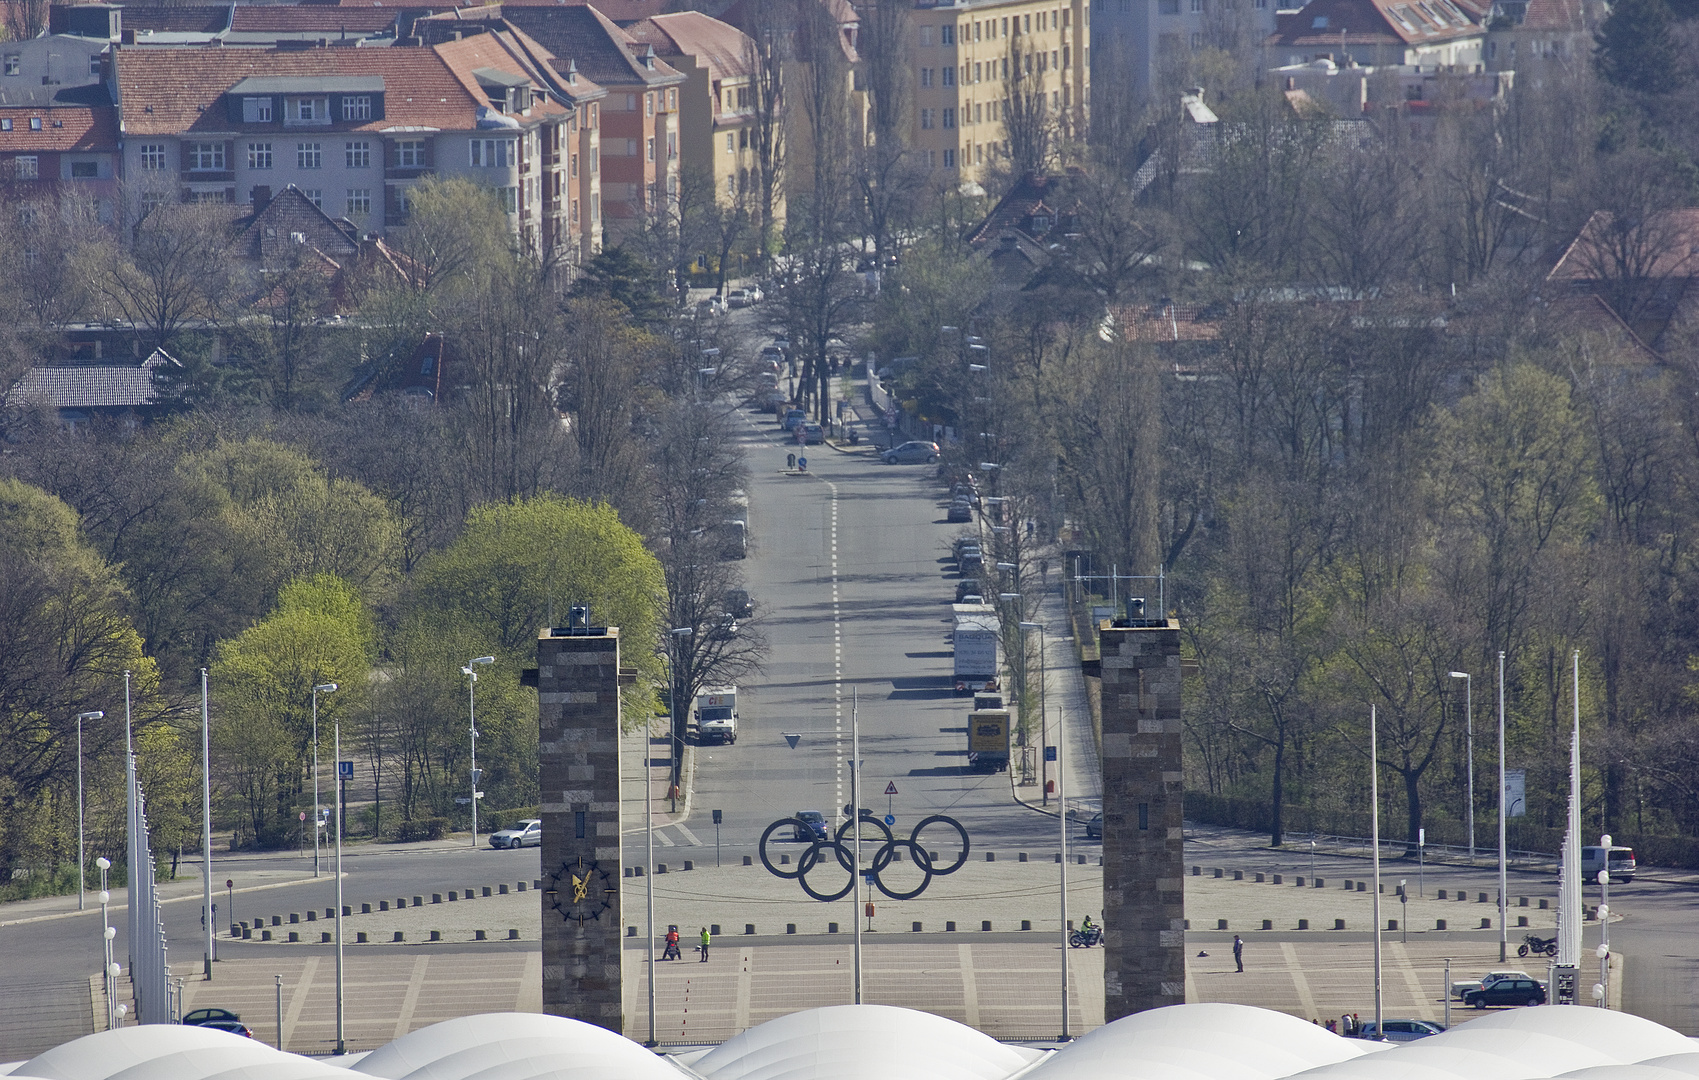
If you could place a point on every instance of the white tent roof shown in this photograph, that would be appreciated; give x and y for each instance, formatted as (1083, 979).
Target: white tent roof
(876, 1042)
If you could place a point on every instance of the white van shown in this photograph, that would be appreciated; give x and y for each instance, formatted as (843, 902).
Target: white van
(1620, 863)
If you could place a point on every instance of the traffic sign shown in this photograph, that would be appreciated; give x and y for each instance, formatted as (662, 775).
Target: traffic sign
(229, 883)
(303, 815)
(802, 464)
(792, 737)
(890, 819)
(345, 770)
(1049, 753)
(890, 787)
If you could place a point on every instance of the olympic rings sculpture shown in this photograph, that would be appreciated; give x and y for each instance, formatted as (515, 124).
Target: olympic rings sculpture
(883, 857)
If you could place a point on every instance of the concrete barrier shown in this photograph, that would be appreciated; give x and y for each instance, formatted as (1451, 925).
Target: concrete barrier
(1339, 924)
(985, 924)
(1303, 924)
(1026, 924)
(1218, 871)
(1521, 901)
(294, 917)
(324, 938)
(365, 909)
(1238, 875)
(688, 865)
(436, 935)
(383, 905)
(453, 895)
(1481, 899)
(312, 916)
(503, 888)
(265, 935)
(1486, 923)
(749, 860)
(1442, 894)
(436, 898)
(790, 927)
(950, 927)
(831, 928)
(748, 928)
(917, 928)
(1220, 924)
(1277, 880)
(479, 935)
(1268, 924)
(294, 936)
(1259, 879)
(990, 856)
(277, 920)
(359, 937)
(1392, 924)
(418, 901)
(1439, 924)
(513, 935)
(1521, 920)
(487, 889)
(399, 936)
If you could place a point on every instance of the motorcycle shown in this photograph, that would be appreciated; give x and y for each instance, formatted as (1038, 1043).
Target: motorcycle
(1085, 939)
(1538, 945)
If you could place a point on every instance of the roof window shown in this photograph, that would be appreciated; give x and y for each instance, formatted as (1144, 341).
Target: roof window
(1320, 23)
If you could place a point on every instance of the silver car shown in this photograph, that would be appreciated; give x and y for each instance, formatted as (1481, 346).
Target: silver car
(527, 833)
(911, 453)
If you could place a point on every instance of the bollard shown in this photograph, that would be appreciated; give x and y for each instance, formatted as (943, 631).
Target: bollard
(436, 898)
(1439, 924)
(1026, 924)
(1486, 923)
(1521, 901)
(521, 888)
(631, 931)
(1303, 924)
(1186, 924)
(1392, 924)
(985, 925)
(1021, 857)
(324, 938)
(950, 927)
(418, 900)
(749, 860)
(1058, 856)
(487, 889)
(714, 929)
(1221, 924)
(330, 913)
(1339, 924)
(1362, 886)
(537, 884)
(265, 935)
(1268, 924)
(400, 937)
(383, 905)
(990, 856)
(503, 888)
(1442, 894)
(831, 928)
(1320, 883)
(295, 916)
(235, 930)
(1298, 882)
(628, 871)
(917, 928)
(790, 928)
(347, 910)
(1238, 875)
(1521, 920)
(1348, 885)
(479, 935)
(294, 936)
(689, 865)
(359, 937)
(453, 896)
(748, 928)
(312, 916)
(436, 935)
(1278, 881)
(513, 935)
(365, 909)
(1218, 871)
(277, 920)
(1196, 871)
(1481, 899)
(1542, 905)
(784, 860)
(1259, 878)
(660, 868)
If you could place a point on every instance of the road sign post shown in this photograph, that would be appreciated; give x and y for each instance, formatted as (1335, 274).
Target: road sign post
(717, 816)
(890, 792)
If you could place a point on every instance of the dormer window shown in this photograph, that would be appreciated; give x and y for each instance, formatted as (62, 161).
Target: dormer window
(357, 107)
(1040, 224)
(306, 110)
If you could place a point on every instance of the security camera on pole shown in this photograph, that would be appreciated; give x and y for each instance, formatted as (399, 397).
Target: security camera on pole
(318, 814)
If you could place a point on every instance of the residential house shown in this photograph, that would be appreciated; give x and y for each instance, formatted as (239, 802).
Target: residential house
(1133, 40)
(638, 118)
(1447, 34)
(1418, 95)
(1633, 276)
(129, 390)
(971, 57)
(61, 67)
(1541, 37)
(65, 154)
(351, 128)
(717, 101)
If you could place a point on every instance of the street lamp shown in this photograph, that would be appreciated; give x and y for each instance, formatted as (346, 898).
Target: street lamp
(1503, 883)
(679, 633)
(472, 714)
(1469, 713)
(107, 933)
(321, 688)
(95, 715)
(1061, 805)
(341, 1030)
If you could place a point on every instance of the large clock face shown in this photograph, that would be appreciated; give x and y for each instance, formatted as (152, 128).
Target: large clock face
(580, 889)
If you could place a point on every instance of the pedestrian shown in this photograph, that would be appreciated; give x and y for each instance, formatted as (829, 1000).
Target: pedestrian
(705, 940)
(1239, 952)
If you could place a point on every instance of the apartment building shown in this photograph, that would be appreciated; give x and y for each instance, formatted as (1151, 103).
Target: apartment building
(352, 129)
(968, 59)
(68, 153)
(1133, 40)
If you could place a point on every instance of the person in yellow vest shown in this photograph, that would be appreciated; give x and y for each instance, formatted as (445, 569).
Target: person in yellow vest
(705, 941)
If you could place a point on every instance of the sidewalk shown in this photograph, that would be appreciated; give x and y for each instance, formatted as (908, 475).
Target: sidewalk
(1069, 707)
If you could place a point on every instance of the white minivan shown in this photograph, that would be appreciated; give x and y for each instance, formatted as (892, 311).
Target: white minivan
(1620, 862)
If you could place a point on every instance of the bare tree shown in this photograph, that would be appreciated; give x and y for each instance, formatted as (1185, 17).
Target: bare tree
(1029, 123)
(174, 270)
(767, 50)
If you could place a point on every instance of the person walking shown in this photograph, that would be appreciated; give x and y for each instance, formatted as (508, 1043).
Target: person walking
(705, 941)
(1239, 952)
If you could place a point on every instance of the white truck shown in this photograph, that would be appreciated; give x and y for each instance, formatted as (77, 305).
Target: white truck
(976, 639)
(716, 715)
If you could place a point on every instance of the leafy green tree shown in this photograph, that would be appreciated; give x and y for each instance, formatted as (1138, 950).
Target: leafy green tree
(1637, 49)
(621, 275)
(263, 680)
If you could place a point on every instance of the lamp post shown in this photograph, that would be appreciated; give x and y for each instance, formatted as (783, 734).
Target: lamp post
(1469, 720)
(472, 714)
(209, 930)
(95, 715)
(321, 688)
(1503, 884)
(679, 633)
(341, 1028)
(1061, 807)
(1605, 922)
(107, 933)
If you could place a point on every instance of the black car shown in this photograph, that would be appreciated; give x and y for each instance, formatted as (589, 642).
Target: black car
(209, 1017)
(1506, 992)
(738, 603)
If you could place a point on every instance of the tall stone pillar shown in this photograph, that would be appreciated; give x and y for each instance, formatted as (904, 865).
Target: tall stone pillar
(578, 680)
(1143, 807)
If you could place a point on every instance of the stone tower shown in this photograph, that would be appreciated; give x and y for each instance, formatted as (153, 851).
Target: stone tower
(1143, 797)
(578, 681)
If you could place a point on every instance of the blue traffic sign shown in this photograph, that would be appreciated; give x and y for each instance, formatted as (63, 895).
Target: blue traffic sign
(1049, 753)
(345, 770)
(890, 819)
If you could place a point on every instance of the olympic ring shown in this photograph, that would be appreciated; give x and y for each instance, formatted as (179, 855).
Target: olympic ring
(884, 855)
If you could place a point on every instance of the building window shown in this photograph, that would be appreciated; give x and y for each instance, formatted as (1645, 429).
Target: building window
(410, 153)
(309, 155)
(152, 155)
(256, 110)
(946, 35)
(595, 160)
(672, 146)
(949, 118)
(949, 159)
(925, 77)
(649, 148)
(357, 107)
(314, 196)
(259, 155)
(218, 195)
(573, 164)
(206, 157)
(492, 153)
(358, 155)
(26, 167)
(672, 99)
(308, 110)
(85, 170)
(926, 35)
(648, 104)
(509, 199)
(35, 123)
(359, 202)
(1168, 7)
(14, 64)
(596, 208)
(730, 141)
(1197, 7)
(1197, 40)
(574, 214)
(949, 74)
(94, 63)
(925, 119)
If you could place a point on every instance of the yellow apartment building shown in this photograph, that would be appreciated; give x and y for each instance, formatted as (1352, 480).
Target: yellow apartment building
(970, 56)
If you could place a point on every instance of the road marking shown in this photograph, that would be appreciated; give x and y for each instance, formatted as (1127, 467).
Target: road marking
(404, 1019)
(740, 1018)
(689, 837)
(298, 995)
(663, 839)
(531, 985)
(1402, 958)
(970, 987)
(1305, 999)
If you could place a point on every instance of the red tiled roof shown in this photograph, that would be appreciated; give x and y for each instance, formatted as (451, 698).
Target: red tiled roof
(266, 17)
(718, 46)
(178, 18)
(581, 34)
(1667, 249)
(164, 91)
(1379, 22)
(1166, 323)
(78, 128)
(1556, 15)
(496, 50)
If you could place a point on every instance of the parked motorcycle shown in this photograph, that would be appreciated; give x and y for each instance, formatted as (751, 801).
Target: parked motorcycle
(1537, 945)
(1085, 939)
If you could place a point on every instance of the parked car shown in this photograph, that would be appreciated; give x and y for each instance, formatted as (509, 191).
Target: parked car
(755, 294)
(1620, 863)
(739, 604)
(527, 833)
(812, 434)
(911, 453)
(1094, 827)
(959, 511)
(1402, 1030)
(815, 822)
(234, 1027)
(1506, 992)
(739, 298)
(201, 1017)
(713, 305)
(962, 543)
(1463, 986)
(969, 563)
(726, 628)
(793, 418)
(965, 588)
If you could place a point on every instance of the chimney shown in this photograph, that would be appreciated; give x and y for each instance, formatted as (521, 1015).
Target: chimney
(127, 37)
(261, 198)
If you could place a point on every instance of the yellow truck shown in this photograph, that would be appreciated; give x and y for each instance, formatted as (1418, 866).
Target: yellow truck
(988, 740)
